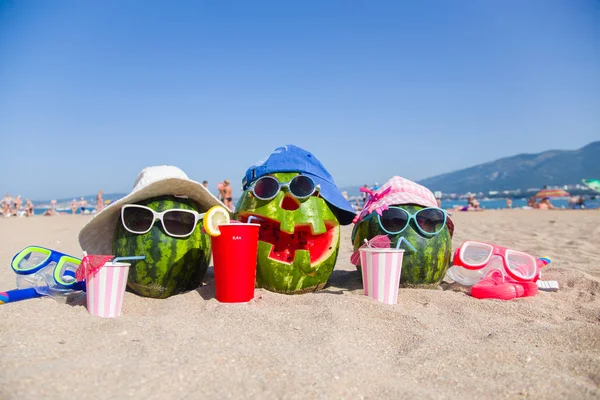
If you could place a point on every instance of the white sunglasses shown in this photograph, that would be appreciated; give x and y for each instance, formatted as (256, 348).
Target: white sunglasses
(176, 222)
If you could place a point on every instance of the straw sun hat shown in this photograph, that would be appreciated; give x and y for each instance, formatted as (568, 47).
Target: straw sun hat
(97, 235)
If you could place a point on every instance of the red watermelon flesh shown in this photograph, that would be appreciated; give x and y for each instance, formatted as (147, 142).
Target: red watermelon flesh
(285, 244)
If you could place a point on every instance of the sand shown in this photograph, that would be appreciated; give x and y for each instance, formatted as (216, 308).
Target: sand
(336, 343)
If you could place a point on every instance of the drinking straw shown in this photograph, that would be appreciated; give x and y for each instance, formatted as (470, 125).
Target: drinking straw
(250, 218)
(129, 258)
(410, 246)
(378, 242)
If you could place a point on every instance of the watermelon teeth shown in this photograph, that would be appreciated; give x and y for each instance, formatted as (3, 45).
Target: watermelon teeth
(284, 245)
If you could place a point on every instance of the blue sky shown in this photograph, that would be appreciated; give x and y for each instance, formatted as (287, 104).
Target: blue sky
(92, 92)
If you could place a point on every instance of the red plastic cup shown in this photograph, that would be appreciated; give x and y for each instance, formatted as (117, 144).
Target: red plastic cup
(234, 257)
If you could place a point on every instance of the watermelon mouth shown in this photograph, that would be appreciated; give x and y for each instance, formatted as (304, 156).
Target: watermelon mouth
(284, 245)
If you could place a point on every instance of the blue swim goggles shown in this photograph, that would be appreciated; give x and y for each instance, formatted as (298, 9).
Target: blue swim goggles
(43, 272)
(60, 267)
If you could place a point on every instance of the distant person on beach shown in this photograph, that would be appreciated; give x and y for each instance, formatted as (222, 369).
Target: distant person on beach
(7, 205)
(51, 212)
(205, 184)
(365, 195)
(220, 187)
(28, 208)
(531, 202)
(18, 203)
(99, 202)
(227, 194)
(508, 202)
(576, 202)
(472, 202)
(545, 204)
(82, 204)
(572, 202)
(74, 206)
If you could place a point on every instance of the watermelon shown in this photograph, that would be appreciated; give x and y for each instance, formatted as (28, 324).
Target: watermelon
(172, 265)
(425, 267)
(298, 240)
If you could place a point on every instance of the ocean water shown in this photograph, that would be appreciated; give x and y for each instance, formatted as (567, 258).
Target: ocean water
(494, 204)
(42, 210)
(64, 205)
(491, 204)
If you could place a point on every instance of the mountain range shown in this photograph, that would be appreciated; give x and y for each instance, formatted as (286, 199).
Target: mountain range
(552, 167)
(522, 171)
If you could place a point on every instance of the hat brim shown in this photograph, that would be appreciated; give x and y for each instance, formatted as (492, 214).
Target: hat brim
(96, 236)
(331, 194)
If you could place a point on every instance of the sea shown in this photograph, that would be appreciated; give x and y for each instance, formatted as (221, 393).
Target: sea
(64, 205)
(495, 204)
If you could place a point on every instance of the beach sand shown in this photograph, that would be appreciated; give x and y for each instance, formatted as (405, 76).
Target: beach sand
(336, 343)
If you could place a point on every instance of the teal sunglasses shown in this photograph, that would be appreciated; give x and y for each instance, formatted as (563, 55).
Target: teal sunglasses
(428, 221)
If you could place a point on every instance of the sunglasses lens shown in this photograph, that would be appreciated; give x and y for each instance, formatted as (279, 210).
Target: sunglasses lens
(475, 253)
(430, 220)
(302, 186)
(266, 187)
(520, 264)
(179, 223)
(393, 220)
(137, 219)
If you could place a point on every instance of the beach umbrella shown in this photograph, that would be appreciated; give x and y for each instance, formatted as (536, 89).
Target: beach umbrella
(593, 184)
(551, 193)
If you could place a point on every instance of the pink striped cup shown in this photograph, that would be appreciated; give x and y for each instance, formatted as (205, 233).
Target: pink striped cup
(105, 290)
(381, 270)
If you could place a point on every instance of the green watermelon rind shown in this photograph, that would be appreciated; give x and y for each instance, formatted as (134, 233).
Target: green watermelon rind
(315, 212)
(421, 269)
(172, 265)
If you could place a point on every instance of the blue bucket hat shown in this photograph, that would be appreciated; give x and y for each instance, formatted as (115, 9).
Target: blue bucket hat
(292, 158)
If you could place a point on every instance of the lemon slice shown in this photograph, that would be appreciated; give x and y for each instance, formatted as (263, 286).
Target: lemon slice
(214, 217)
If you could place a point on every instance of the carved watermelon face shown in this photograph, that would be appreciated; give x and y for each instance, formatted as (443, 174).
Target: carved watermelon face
(298, 239)
(428, 265)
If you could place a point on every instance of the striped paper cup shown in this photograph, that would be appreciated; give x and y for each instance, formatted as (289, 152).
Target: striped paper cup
(105, 290)
(381, 270)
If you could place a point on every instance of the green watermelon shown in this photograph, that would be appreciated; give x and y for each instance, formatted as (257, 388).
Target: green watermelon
(172, 265)
(425, 267)
(298, 240)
